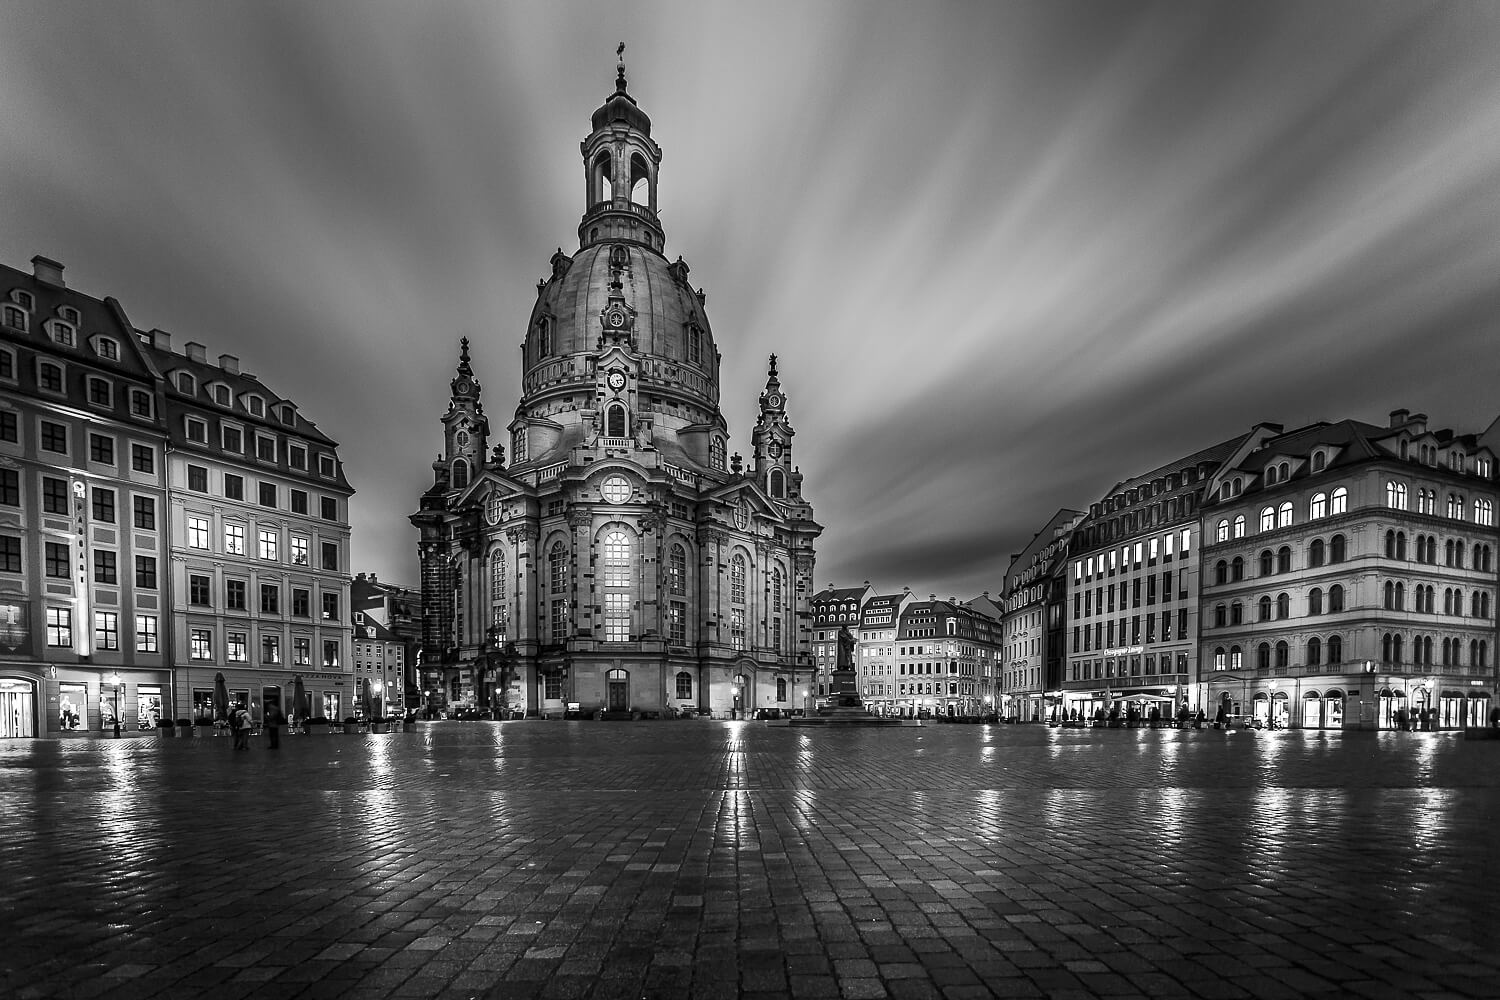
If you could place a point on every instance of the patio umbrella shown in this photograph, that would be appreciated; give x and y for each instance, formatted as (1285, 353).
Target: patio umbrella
(299, 698)
(221, 697)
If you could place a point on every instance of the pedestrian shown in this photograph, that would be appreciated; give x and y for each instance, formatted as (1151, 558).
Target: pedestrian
(1495, 717)
(1221, 717)
(1198, 722)
(274, 719)
(239, 723)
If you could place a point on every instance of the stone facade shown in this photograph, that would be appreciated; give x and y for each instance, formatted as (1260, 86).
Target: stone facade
(620, 561)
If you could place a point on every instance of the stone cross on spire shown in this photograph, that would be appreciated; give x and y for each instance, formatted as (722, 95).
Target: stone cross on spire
(620, 79)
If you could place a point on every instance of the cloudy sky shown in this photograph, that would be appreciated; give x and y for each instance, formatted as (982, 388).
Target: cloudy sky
(1009, 253)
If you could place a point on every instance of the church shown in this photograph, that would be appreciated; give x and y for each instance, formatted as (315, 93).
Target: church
(619, 562)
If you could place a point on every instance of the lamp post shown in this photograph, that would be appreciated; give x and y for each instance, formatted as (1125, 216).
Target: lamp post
(379, 686)
(1430, 715)
(1271, 707)
(114, 681)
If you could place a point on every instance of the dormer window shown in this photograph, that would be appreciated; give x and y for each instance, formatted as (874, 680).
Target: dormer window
(222, 395)
(23, 299)
(255, 405)
(196, 430)
(1319, 460)
(107, 348)
(64, 333)
(778, 484)
(69, 314)
(288, 415)
(15, 318)
(327, 467)
(716, 453)
(518, 445)
(185, 383)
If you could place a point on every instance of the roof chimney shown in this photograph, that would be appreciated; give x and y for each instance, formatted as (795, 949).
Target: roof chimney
(229, 363)
(196, 352)
(47, 270)
(161, 340)
(1398, 417)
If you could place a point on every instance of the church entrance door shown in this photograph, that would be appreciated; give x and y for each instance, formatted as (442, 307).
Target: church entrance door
(619, 691)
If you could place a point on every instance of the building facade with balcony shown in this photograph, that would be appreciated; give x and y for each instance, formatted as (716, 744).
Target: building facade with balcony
(258, 529)
(875, 652)
(946, 655)
(385, 622)
(1031, 669)
(84, 610)
(618, 560)
(1132, 593)
(1350, 578)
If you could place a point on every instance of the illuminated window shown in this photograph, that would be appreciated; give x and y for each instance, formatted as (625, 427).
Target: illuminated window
(677, 570)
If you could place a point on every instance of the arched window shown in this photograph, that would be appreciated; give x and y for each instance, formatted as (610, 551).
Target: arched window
(1318, 461)
(1267, 562)
(1484, 512)
(781, 689)
(1448, 552)
(778, 484)
(1263, 656)
(1237, 569)
(1234, 657)
(1283, 606)
(1458, 554)
(1236, 613)
(677, 569)
(1395, 495)
(1335, 599)
(544, 337)
(518, 445)
(776, 609)
(716, 453)
(1221, 572)
(1390, 595)
(616, 421)
(1222, 533)
(1268, 519)
(1339, 503)
(601, 188)
(1336, 549)
(1283, 654)
(1386, 648)
(617, 579)
(1314, 651)
(1335, 649)
(1316, 552)
(1315, 601)
(1318, 508)
(1400, 545)
(737, 579)
(1239, 525)
(684, 685)
(1284, 515)
(640, 180)
(1219, 663)
(1263, 609)
(1221, 615)
(1284, 559)
(460, 474)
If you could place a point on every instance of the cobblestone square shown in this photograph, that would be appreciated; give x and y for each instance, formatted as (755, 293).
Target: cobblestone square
(719, 859)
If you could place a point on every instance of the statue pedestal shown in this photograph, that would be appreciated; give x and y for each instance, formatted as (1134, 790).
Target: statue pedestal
(848, 709)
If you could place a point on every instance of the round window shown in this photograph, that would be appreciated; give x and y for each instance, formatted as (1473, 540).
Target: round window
(616, 489)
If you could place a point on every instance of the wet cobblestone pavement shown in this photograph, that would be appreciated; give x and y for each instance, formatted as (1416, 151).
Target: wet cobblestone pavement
(709, 859)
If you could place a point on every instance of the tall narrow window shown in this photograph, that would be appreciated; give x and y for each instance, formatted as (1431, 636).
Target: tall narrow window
(616, 587)
(737, 579)
(615, 423)
(1339, 503)
(677, 570)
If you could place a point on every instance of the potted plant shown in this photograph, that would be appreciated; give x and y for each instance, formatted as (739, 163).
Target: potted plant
(351, 724)
(184, 727)
(165, 728)
(377, 724)
(316, 724)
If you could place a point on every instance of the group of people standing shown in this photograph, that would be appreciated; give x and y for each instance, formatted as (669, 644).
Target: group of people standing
(240, 725)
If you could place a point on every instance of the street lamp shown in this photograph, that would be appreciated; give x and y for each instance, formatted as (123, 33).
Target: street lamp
(114, 681)
(379, 686)
(1271, 708)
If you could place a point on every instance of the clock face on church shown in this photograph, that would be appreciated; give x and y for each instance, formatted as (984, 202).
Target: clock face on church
(616, 381)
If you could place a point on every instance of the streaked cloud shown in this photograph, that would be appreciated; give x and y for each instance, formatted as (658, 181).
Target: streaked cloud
(1008, 253)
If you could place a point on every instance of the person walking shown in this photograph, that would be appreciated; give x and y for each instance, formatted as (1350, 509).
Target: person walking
(274, 720)
(239, 721)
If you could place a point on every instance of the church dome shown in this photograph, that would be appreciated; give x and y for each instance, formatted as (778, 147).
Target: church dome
(667, 323)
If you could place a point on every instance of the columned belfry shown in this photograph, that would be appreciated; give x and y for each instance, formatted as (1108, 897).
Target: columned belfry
(617, 562)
